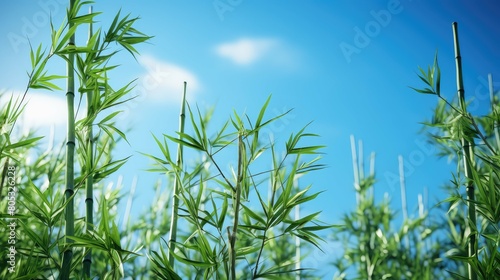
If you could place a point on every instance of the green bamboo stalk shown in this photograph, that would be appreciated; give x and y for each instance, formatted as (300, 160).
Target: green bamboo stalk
(404, 206)
(468, 153)
(297, 239)
(492, 101)
(361, 197)
(355, 167)
(4, 175)
(128, 208)
(89, 200)
(232, 236)
(175, 195)
(70, 155)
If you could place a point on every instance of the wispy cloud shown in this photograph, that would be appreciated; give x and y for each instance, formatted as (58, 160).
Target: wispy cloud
(42, 109)
(164, 80)
(246, 51)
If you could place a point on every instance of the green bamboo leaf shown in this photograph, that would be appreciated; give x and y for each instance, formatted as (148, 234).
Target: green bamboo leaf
(57, 50)
(109, 168)
(438, 76)
(424, 91)
(197, 264)
(223, 213)
(87, 242)
(23, 143)
(318, 228)
(261, 113)
(252, 214)
(192, 142)
(301, 222)
(254, 227)
(243, 251)
(306, 150)
(115, 235)
(86, 18)
(162, 268)
(109, 117)
(33, 236)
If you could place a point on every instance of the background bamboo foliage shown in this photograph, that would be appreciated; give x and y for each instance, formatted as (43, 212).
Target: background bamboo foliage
(236, 222)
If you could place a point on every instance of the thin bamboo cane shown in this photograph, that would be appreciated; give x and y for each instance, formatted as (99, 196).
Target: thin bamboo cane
(404, 206)
(361, 164)
(355, 167)
(297, 239)
(232, 236)
(175, 196)
(89, 200)
(70, 155)
(468, 160)
(361, 197)
(372, 173)
(4, 175)
(492, 101)
(128, 208)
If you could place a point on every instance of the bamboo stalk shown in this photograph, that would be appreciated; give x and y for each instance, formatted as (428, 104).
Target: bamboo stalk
(361, 197)
(128, 208)
(355, 167)
(492, 101)
(70, 155)
(361, 163)
(404, 206)
(297, 239)
(89, 200)
(372, 173)
(468, 153)
(175, 195)
(4, 175)
(232, 236)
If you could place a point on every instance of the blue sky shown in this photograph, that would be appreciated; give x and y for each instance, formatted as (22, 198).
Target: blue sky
(345, 65)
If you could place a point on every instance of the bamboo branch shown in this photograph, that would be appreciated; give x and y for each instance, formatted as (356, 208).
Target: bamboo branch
(468, 160)
(404, 206)
(89, 200)
(175, 196)
(492, 101)
(355, 168)
(232, 236)
(297, 239)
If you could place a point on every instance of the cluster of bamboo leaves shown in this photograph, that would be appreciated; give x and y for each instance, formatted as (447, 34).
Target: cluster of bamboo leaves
(226, 223)
(58, 241)
(236, 219)
(474, 202)
(52, 242)
(465, 243)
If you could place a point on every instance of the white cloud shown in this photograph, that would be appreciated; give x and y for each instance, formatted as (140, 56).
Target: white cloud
(42, 109)
(246, 51)
(164, 81)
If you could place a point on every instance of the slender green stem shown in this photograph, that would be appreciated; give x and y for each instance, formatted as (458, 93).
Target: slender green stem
(355, 167)
(89, 200)
(273, 191)
(239, 182)
(404, 206)
(468, 153)
(175, 198)
(297, 239)
(4, 174)
(70, 156)
(492, 101)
